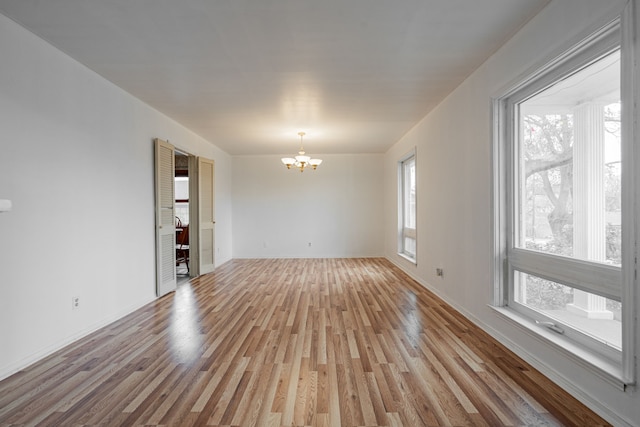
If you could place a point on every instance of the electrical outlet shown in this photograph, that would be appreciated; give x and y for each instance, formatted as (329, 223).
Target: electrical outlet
(309, 244)
(439, 272)
(75, 303)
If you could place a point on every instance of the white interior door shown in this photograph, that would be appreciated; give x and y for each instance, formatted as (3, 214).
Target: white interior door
(206, 215)
(165, 217)
(194, 215)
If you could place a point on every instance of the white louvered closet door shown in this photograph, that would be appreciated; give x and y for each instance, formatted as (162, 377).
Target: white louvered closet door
(165, 217)
(206, 201)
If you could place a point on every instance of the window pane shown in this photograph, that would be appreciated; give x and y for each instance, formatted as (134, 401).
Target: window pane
(569, 161)
(182, 213)
(593, 315)
(409, 167)
(410, 246)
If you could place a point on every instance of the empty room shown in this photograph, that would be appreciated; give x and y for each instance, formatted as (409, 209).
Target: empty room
(319, 213)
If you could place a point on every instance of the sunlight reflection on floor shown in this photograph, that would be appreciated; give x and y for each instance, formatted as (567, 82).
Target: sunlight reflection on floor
(185, 338)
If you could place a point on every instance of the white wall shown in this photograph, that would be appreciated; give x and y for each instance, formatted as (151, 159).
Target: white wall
(337, 208)
(71, 140)
(454, 198)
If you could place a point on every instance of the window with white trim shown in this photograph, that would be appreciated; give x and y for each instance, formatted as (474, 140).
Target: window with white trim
(407, 206)
(560, 200)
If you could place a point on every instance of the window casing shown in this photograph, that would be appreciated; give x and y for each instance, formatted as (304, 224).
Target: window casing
(407, 236)
(560, 201)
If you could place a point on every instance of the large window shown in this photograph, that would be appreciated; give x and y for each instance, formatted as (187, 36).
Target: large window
(566, 201)
(560, 178)
(407, 206)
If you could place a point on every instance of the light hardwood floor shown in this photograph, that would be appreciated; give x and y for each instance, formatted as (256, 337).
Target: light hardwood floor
(290, 342)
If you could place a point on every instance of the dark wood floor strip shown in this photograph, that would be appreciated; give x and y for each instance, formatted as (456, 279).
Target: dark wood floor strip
(290, 342)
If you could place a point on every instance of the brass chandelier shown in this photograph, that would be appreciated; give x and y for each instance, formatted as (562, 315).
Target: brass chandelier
(301, 161)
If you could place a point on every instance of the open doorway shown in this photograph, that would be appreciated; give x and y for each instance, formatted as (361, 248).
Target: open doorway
(182, 208)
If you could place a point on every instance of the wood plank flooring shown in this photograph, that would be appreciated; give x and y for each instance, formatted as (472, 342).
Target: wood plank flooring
(290, 342)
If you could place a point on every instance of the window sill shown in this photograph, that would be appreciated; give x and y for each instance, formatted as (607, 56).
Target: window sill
(598, 365)
(408, 258)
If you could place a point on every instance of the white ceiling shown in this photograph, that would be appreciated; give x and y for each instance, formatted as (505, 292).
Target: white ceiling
(247, 75)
